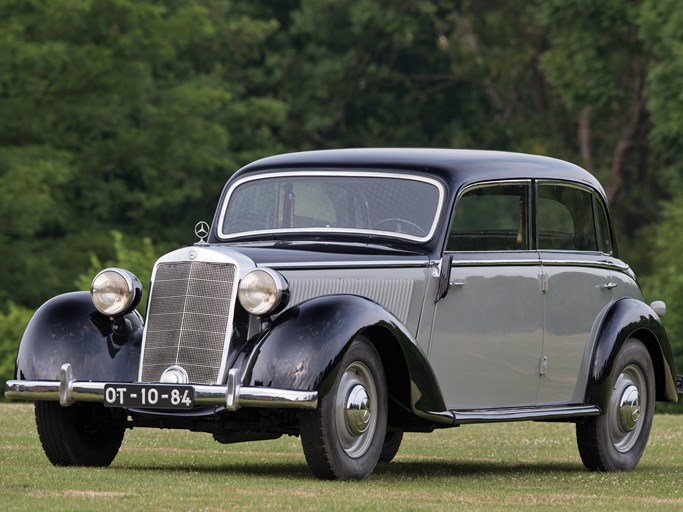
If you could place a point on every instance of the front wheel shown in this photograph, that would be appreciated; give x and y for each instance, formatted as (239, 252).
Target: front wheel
(616, 440)
(342, 439)
(80, 435)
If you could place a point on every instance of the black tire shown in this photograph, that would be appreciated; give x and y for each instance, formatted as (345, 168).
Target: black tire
(392, 442)
(616, 440)
(80, 435)
(342, 439)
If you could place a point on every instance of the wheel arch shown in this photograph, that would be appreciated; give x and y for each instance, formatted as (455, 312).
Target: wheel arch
(648, 338)
(395, 370)
(630, 318)
(303, 348)
(68, 329)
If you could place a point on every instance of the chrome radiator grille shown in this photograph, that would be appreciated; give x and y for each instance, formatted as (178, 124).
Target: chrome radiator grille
(188, 320)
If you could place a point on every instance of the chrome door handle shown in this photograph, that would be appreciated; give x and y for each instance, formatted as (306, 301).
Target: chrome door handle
(456, 283)
(608, 286)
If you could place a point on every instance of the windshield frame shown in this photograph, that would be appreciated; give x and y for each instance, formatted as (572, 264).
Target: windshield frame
(273, 233)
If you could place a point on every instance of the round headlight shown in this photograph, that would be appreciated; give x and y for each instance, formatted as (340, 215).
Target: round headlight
(261, 291)
(115, 292)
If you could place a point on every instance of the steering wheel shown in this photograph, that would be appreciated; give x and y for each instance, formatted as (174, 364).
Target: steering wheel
(398, 221)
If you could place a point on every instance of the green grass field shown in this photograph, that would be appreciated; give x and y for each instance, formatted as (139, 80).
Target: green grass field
(514, 466)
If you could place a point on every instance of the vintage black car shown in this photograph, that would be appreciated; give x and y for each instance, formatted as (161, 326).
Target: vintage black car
(350, 296)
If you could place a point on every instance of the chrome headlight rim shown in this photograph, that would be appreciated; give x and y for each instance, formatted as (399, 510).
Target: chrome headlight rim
(276, 292)
(129, 292)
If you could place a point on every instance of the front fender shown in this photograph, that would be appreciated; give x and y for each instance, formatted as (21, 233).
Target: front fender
(630, 318)
(68, 329)
(305, 344)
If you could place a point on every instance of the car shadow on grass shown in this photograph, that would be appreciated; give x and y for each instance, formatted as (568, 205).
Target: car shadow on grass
(465, 468)
(396, 469)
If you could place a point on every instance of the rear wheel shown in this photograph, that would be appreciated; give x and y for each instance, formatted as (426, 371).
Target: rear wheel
(342, 439)
(616, 440)
(80, 435)
(392, 442)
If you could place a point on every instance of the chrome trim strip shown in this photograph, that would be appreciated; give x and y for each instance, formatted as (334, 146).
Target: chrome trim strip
(345, 264)
(525, 413)
(233, 396)
(609, 265)
(371, 174)
(495, 263)
(440, 417)
(546, 263)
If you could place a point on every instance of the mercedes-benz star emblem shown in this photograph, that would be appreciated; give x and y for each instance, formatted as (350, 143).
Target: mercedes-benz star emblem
(201, 229)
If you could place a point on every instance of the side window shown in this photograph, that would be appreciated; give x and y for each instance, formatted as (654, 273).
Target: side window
(602, 226)
(564, 218)
(491, 218)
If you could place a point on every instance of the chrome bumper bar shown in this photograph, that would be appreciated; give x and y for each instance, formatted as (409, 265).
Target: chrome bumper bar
(68, 391)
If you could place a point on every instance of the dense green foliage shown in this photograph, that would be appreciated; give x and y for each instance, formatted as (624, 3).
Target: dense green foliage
(12, 325)
(130, 115)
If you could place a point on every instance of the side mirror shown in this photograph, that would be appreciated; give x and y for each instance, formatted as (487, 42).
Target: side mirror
(444, 276)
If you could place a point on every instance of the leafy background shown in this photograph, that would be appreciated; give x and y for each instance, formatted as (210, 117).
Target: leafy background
(122, 119)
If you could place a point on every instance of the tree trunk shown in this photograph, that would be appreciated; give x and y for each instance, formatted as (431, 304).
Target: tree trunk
(626, 140)
(585, 137)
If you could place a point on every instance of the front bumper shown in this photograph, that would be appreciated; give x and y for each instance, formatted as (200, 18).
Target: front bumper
(67, 390)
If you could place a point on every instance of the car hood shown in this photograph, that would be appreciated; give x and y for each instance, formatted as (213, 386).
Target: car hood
(333, 255)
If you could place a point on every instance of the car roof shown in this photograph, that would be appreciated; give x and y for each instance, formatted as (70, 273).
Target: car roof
(456, 167)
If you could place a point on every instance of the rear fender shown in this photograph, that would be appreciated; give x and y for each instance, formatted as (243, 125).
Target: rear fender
(630, 318)
(68, 329)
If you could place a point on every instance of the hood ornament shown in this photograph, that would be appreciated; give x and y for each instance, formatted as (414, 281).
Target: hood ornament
(201, 229)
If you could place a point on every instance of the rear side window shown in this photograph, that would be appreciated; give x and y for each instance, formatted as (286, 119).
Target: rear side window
(491, 218)
(565, 219)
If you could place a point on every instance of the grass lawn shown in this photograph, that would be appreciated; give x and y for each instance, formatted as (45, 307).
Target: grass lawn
(514, 466)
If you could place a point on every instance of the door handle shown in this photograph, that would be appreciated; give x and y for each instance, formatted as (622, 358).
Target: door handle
(608, 286)
(456, 283)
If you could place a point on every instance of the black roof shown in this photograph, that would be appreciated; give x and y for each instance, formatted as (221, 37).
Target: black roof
(456, 167)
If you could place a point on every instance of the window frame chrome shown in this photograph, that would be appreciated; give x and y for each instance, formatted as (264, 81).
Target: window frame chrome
(594, 196)
(532, 223)
(366, 232)
(530, 212)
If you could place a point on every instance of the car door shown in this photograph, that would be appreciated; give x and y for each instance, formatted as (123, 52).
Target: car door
(487, 332)
(573, 240)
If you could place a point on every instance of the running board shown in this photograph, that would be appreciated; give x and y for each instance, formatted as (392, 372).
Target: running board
(525, 414)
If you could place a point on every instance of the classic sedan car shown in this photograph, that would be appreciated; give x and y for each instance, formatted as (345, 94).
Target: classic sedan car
(349, 296)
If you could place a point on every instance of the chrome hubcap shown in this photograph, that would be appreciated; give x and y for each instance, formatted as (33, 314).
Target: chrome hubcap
(627, 401)
(629, 409)
(356, 412)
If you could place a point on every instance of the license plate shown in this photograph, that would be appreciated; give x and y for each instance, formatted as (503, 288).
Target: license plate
(149, 396)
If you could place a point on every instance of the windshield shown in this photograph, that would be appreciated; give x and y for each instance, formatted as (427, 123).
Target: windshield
(398, 205)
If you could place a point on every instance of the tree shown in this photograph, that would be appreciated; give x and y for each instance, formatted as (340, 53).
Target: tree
(119, 113)
(596, 65)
